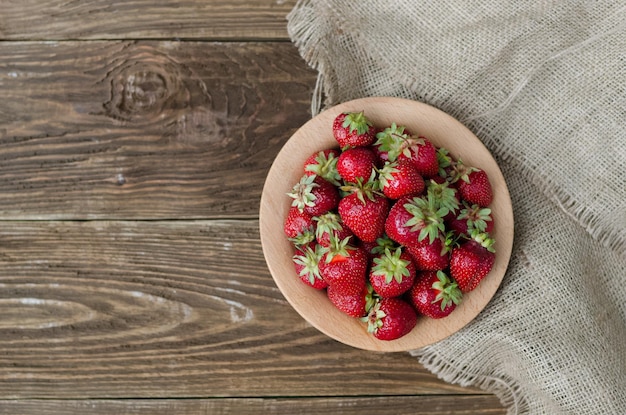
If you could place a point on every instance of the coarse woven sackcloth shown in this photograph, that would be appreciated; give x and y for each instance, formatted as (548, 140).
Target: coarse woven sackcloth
(543, 85)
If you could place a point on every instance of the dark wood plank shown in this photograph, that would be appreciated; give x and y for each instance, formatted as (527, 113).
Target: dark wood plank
(167, 309)
(144, 130)
(103, 19)
(396, 405)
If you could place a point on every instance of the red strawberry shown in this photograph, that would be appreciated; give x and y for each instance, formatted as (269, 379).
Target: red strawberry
(396, 219)
(400, 178)
(391, 318)
(353, 129)
(389, 142)
(423, 155)
(330, 224)
(299, 227)
(324, 164)
(344, 266)
(472, 261)
(412, 220)
(353, 304)
(314, 195)
(470, 218)
(392, 274)
(473, 184)
(364, 213)
(356, 163)
(396, 143)
(476, 189)
(306, 262)
(434, 295)
(430, 256)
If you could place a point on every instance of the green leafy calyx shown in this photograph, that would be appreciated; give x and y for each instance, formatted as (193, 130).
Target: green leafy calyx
(391, 266)
(302, 192)
(448, 292)
(356, 121)
(427, 217)
(325, 166)
(309, 259)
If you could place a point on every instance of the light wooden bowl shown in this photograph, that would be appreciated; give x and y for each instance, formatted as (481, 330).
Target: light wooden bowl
(315, 135)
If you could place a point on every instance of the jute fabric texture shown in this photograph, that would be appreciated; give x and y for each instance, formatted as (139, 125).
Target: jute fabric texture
(543, 85)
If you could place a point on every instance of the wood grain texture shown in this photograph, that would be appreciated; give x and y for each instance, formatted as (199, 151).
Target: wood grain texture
(144, 130)
(103, 19)
(396, 405)
(184, 308)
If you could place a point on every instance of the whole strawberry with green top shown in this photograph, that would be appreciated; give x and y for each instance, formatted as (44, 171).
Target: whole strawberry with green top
(398, 144)
(473, 184)
(314, 195)
(434, 294)
(412, 220)
(472, 261)
(353, 129)
(344, 266)
(390, 319)
(364, 210)
(400, 178)
(392, 273)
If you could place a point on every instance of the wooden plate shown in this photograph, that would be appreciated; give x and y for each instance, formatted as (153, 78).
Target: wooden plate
(316, 135)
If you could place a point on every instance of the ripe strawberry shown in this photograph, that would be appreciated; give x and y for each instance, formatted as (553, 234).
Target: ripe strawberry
(306, 262)
(473, 184)
(470, 218)
(396, 219)
(396, 143)
(389, 141)
(344, 266)
(434, 295)
(353, 304)
(299, 227)
(472, 261)
(412, 220)
(364, 211)
(400, 178)
(423, 154)
(324, 164)
(392, 274)
(430, 256)
(314, 195)
(476, 189)
(391, 318)
(356, 163)
(353, 129)
(330, 224)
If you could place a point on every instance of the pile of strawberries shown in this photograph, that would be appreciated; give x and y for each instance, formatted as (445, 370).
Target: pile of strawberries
(391, 226)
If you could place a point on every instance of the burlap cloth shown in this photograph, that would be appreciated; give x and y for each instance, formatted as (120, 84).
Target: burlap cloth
(543, 84)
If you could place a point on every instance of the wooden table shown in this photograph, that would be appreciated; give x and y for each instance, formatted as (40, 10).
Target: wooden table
(134, 142)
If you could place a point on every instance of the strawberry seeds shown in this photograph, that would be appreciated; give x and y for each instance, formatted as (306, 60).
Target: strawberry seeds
(392, 227)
